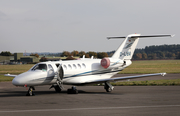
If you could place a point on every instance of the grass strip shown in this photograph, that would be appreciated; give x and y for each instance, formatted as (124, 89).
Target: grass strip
(4, 78)
(152, 66)
(171, 82)
(14, 69)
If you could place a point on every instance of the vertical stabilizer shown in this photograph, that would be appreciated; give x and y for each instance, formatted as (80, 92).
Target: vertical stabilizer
(126, 49)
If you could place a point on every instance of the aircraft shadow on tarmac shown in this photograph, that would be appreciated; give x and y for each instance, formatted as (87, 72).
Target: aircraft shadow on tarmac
(7, 93)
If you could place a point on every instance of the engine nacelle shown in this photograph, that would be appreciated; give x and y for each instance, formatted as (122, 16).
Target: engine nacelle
(109, 62)
(105, 62)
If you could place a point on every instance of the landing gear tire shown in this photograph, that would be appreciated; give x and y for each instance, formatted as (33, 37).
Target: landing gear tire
(30, 91)
(73, 90)
(108, 89)
(57, 89)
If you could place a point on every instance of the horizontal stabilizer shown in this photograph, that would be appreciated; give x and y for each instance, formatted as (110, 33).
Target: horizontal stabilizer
(141, 36)
(115, 37)
(152, 36)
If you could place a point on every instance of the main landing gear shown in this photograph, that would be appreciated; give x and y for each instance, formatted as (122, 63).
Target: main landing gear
(30, 91)
(73, 90)
(56, 87)
(108, 87)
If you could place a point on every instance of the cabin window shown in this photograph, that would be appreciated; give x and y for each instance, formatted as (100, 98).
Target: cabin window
(79, 66)
(40, 67)
(65, 67)
(69, 66)
(83, 65)
(50, 67)
(74, 66)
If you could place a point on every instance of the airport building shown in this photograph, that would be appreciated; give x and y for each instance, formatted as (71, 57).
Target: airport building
(6, 59)
(29, 59)
(18, 58)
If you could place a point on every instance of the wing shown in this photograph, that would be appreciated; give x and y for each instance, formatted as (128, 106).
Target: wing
(124, 78)
(9, 75)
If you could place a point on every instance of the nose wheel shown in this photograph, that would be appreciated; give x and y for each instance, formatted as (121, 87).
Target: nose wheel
(30, 91)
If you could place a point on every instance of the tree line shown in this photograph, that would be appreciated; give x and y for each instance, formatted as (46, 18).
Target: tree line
(87, 54)
(6, 53)
(147, 53)
(158, 52)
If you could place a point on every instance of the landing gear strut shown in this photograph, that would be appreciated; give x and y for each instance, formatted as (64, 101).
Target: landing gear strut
(73, 90)
(30, 91)
(60, 74)
(108, 87)
(56, 87)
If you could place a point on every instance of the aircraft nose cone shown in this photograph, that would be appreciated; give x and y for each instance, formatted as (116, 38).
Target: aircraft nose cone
(15, 82)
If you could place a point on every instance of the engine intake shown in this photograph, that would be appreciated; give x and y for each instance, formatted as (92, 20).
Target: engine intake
(105, 62)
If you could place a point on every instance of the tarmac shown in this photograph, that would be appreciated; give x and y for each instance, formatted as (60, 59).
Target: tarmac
(93, 100)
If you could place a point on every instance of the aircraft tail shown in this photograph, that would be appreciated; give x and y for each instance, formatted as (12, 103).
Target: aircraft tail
(126, 49)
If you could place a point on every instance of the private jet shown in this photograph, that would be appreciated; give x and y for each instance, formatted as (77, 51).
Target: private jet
(83, 71)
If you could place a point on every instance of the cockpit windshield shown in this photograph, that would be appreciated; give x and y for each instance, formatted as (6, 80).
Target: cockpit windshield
(42, 67)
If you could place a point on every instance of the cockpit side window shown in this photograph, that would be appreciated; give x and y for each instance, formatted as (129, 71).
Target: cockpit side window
(40, 67)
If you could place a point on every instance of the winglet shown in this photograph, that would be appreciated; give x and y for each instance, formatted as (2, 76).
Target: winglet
(172, 35)
(163, 74)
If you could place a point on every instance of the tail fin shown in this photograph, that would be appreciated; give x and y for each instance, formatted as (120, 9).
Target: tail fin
(126, 49)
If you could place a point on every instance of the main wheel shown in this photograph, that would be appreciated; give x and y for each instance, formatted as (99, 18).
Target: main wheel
(108, 89)
(72, 91)
(57, 89)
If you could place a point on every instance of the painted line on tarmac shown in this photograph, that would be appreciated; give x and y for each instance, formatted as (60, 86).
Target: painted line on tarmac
(95, 108)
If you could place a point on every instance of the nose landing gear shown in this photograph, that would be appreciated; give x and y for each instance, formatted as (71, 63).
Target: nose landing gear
(30, 91)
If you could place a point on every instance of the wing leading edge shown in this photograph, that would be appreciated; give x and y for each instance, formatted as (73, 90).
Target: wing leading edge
(9, 75)
(124, 78)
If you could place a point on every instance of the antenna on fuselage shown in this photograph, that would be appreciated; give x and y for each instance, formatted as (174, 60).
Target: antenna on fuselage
(92, 57)
(83, 57)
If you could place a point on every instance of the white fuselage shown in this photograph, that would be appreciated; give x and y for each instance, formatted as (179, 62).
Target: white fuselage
(76, 72)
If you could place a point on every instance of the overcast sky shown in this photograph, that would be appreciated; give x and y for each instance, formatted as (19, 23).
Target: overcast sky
(83, 25)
